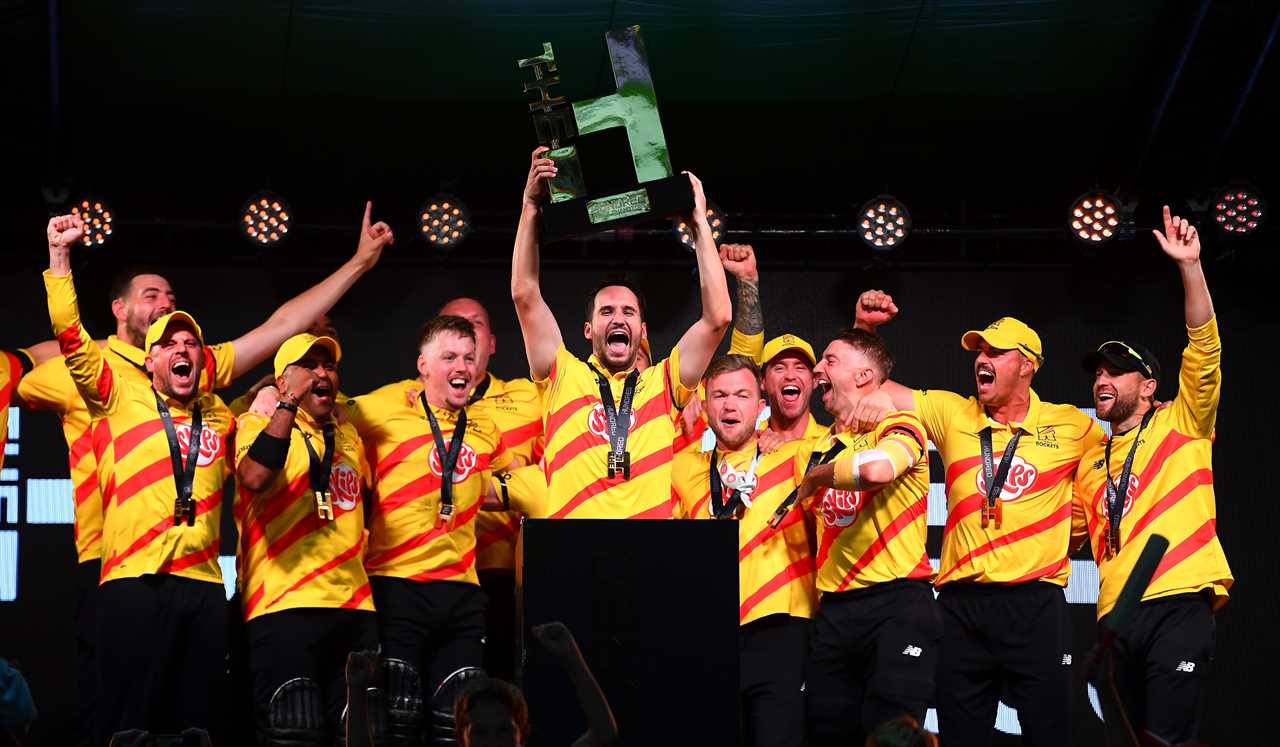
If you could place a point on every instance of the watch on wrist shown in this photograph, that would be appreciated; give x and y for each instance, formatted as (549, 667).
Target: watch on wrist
(285, 404)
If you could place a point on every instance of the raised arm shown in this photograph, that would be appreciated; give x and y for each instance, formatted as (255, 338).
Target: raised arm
(699, 343)
(1200, 375)
(89, 370)
(874, 308)
(601, 728)
(538, 325)
(298, 313)
(747, 338)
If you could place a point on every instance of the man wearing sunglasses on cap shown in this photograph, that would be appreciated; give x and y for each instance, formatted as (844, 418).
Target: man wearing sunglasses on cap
(1154, 475)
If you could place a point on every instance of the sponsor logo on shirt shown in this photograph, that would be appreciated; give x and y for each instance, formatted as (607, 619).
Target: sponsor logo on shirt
(344, 482)
(840, 507)
(467, 461)
(912, 651)
(1129, 495)
(1185, 666)
(598, 424)
(210, 443)
(1022, 474)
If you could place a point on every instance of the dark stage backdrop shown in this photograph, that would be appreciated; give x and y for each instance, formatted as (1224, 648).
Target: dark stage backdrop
(1072, 308)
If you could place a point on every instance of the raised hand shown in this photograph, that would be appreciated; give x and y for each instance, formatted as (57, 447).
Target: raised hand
(541, 169)
(373, 237)
(556, 639)
(65, 230)
(296, 383)
(699, 216)
(770, 441)
(739, 260)
(1180, 239)
(875, 307)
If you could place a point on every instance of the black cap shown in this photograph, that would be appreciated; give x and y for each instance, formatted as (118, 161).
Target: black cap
(1124, 356)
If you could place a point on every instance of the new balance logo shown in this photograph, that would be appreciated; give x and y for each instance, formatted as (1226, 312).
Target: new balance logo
(912, 651)
(1066, 660)
(1185, 666)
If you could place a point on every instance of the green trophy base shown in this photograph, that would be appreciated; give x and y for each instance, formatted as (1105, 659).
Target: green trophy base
(590, 215)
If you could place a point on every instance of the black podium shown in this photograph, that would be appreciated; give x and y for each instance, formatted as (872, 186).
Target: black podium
(654, 608)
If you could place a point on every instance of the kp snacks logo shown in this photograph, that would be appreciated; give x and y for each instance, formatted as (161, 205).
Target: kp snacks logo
(598, 424)
(840, 507)
(210, 443)
(1022, 474)
(467, 461)
(344, 482)
(1129, 495)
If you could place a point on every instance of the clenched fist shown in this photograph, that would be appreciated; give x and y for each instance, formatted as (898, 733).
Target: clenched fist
(875, 307)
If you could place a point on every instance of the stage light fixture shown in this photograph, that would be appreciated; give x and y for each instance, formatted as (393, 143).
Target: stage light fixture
(884, 223)
(1094, 217)
(444, 221)
(1238, 210)
(97, 219)
(715, 219)
(266, 218)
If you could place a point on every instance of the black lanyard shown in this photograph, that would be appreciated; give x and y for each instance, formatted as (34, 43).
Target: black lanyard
(1116, 494)
(618, 421)
(995, 476)
(448, 458)
(728, 509)
(321, 468)
(184, 475)
(814, 460)
(480, 390)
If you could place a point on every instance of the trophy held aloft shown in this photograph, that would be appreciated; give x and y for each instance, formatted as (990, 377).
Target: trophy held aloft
(627, 177)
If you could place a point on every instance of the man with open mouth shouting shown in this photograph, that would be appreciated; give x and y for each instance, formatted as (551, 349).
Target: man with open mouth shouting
(875, 637)
(140, 296)
(432, 459)
(161, 461)
(1155, 476)
(1009, 461)
(735, 481)
(609, 427)
(299, 510)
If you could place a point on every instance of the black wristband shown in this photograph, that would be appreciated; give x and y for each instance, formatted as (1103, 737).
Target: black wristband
(285, 404)
(269, 451)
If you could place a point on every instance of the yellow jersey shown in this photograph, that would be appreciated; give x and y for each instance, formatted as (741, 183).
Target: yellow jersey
(1032, 540)
(407, 537)
(289, 556)
(49, 387)
(873, 536)
(139, 536)
(577, 443)
(1170, 489)
(515, 407)
(10, 375)
(775, 567)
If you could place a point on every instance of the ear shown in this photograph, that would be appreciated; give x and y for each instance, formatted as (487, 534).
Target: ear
(422, 365)
(644, 334)
(493, 344)
(586, 330)
(150, 364)
(118, 310)
(863, 377)
(1028, 368)
(1148, 389)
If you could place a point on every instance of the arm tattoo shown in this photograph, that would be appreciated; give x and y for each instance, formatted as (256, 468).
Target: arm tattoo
(748, 318)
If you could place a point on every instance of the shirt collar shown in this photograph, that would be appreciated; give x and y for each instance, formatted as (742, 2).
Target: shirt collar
(304, 421)
(595, 363)
(412, 392)
(747, 451)
(136, 356)
(1028, 424)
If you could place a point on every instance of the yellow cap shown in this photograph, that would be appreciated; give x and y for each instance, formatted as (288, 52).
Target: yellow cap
(295, 349)
(158, 327)
(783, 343)
(1007, 333)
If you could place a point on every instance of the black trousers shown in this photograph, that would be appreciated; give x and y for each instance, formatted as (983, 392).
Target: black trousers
(1012, 639)
(437, 626)
(161, 653)
(500, 623)
(311, 643)
(872, 658)
(1161, 663)
(771, 670)
(86, 620)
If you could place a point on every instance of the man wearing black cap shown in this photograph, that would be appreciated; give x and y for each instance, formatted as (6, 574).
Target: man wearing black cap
(1154, 475)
